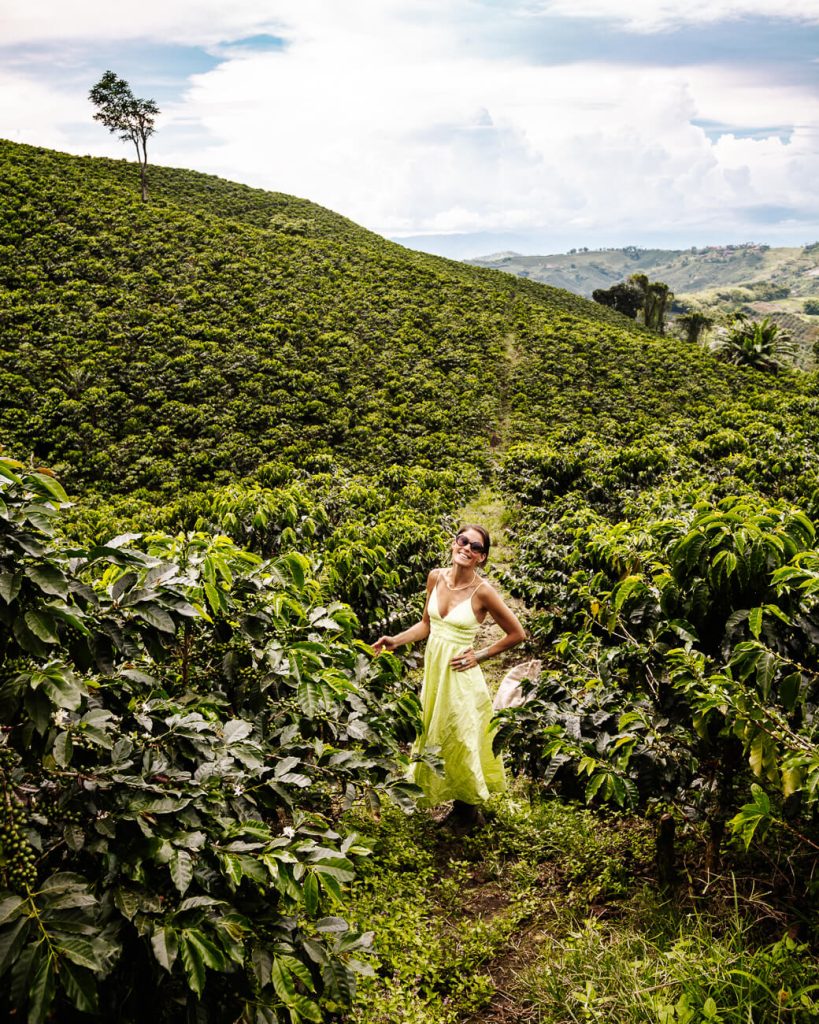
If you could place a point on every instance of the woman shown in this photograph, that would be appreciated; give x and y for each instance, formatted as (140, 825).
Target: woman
(457, 708)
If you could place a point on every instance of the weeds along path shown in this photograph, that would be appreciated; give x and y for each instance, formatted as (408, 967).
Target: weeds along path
(484, 929)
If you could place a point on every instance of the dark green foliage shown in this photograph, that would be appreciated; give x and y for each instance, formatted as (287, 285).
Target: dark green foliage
(179, 717)
(153, 349)
(652, 533)
(624, 297)
(271, 419)
(680, 634)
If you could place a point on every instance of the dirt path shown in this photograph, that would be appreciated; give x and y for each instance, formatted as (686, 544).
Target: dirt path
(509, 1005)
(488, 899)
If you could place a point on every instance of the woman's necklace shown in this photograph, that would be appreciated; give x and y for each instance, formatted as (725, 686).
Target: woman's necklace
(463, 586)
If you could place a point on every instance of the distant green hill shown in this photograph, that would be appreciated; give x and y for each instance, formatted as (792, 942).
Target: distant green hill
(720, 280)
(163, 346)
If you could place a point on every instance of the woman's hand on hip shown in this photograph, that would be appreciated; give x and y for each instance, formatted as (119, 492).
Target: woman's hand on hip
(464, 661)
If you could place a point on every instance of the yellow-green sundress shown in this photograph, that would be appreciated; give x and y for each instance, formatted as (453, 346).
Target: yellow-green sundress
(456, 714)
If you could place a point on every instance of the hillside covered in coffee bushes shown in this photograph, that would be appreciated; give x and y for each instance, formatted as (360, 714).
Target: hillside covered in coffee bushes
(156, 348)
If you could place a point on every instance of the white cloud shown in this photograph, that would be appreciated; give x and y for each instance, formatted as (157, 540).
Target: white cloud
(208, 22)
(387, 112)
(191, 22)
(37, 114)
(662, 15)
(406, 138)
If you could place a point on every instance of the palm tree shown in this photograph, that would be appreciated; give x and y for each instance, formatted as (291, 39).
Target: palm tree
(656, 297)
(695, 324)
(754, 343)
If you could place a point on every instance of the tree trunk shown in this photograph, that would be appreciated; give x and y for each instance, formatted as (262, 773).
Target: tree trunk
(143, 168)
(142, 160)
(662, 301)
(666, 852)
(713, 846)
(728, 757)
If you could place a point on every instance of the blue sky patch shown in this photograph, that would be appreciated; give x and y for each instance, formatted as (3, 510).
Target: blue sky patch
(153, 71)
(716, 129)
(769, 213)
(258, 44)
(788, 46)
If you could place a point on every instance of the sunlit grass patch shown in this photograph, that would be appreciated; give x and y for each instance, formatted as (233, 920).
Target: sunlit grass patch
(656, 964)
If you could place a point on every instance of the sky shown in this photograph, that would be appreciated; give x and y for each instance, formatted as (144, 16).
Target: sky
(461, 127)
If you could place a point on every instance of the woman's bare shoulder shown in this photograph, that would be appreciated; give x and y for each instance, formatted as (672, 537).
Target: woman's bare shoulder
(433, 577)
(488, 595)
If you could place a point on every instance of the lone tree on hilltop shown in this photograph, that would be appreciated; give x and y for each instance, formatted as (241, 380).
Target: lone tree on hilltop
(121, 112)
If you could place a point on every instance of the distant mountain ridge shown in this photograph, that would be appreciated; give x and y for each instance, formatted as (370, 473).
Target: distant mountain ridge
(686, 271)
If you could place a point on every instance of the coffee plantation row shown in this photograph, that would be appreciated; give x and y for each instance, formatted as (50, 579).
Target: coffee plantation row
(238, 431)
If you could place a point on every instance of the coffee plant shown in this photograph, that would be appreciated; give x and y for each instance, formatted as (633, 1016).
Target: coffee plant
(678, 648)
(180, 720)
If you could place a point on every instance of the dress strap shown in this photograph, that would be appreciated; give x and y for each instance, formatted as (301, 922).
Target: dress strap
(473, 592)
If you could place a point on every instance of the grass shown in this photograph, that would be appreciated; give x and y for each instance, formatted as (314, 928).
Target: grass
(654, 964)
(550, 914)
(436, 920)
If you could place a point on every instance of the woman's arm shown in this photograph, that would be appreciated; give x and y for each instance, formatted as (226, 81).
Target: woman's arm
(420, 631)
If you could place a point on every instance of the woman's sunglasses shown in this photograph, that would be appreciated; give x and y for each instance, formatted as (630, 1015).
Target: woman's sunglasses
(462, 542)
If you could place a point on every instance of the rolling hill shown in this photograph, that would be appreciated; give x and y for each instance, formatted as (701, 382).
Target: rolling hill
(153, 348)
(718, 280)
